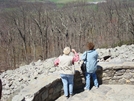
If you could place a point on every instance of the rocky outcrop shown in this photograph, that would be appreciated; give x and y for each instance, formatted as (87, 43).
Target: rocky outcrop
(49, 87)
(125, 53)
(104, 93)
(15, 80)
(117, 73)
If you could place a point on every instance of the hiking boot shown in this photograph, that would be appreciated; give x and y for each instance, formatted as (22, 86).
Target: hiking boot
(86, 88)
(66, 97)
(71, 95)
(96, 87)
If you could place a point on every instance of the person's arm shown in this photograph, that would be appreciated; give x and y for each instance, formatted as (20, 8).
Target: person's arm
(76, 56)
(97, 55)
(83, 56)
(56, 62)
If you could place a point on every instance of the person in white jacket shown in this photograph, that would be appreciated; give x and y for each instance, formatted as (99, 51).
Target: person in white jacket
(65, 63)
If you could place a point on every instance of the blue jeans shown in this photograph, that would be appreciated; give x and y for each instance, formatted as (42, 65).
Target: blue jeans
(68, 83)
(88, 75)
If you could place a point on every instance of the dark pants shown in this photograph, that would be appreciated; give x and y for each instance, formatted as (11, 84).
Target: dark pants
(0, 88)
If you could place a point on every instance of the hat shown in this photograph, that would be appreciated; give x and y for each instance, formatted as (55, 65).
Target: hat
(66, 50)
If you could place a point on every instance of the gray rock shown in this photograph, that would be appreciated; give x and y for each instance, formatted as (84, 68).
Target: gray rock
(12, 80)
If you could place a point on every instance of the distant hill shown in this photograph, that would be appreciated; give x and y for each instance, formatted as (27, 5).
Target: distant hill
(55, 1)
(66, 1)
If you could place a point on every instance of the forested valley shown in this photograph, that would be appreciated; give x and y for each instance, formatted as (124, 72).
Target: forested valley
(34, 30)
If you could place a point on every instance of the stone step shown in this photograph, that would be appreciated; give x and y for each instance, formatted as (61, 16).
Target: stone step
(104, 93)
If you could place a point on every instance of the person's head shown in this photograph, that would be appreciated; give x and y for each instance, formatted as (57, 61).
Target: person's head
(66, 50)
(90, 45)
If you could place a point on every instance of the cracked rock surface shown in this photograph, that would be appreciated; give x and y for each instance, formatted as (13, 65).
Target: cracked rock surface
(104, 93)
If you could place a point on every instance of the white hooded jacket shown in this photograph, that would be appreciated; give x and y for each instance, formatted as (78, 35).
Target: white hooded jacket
(66, 64)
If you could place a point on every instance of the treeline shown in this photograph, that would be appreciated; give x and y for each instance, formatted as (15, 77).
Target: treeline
(41, 30)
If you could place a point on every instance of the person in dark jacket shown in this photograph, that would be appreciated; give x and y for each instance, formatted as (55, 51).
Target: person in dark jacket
(90, 59)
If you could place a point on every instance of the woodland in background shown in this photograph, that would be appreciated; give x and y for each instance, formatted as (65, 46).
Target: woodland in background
(33, 30)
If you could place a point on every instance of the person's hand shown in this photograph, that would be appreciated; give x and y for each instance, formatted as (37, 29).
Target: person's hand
(73, 50)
